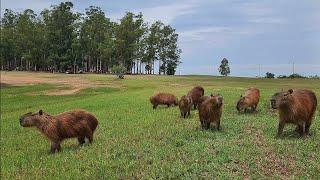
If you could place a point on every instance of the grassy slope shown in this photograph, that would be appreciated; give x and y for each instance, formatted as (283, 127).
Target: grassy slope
(133, 140)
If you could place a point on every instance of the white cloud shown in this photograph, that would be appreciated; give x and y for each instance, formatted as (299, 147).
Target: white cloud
(166, 13)
(18, 5)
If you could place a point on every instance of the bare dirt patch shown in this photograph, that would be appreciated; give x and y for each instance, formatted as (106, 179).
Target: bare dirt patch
(76, 82)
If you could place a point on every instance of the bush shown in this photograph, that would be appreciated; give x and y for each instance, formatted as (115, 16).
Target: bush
(295, 75)
(282, 76)
(269, 75)
(119, 70)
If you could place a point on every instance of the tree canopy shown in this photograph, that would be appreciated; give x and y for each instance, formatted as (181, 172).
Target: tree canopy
(224, 68)
(60, 39)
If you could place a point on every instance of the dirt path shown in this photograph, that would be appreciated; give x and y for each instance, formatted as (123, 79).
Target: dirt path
(77, 82)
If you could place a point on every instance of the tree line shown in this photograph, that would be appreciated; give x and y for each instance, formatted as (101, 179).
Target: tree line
(60, 39)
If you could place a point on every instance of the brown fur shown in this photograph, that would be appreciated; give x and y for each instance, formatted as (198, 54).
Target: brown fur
(196, 93)
(297, 107)
(164, 99)
(185, 104)
(203, 98)
(210, 111)
(249, 100)
(76, 123)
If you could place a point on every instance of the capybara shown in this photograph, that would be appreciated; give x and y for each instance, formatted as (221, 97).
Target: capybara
(249, 100)
(163, 98)
(76, 123)
(210, 111)
(196, 93)
(296, 106)
(185, 104)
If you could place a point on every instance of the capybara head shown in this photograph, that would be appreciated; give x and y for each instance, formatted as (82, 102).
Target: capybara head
(30, 119)
(285, 98)
(218, 101)
(242, 103)
(274, 100)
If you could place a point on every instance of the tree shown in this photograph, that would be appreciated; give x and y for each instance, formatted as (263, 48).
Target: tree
(93, 35)
(128, 41)
(224, 68)
(60, 26)
(269, 75)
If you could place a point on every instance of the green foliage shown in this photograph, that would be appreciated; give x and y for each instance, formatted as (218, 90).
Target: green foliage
(224, 68)
(296, 76)
(119, 70)
(269, 75)
(61, 39)
(135, 141)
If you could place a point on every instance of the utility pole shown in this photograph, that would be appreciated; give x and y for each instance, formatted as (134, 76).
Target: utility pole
(292, 67)
(259, 70)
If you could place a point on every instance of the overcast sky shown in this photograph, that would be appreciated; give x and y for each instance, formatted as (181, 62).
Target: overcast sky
(272, 33)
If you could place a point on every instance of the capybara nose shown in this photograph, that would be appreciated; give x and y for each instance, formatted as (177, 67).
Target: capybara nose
(20, 120)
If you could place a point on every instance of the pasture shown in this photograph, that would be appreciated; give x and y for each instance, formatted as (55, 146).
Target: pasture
(135, 141)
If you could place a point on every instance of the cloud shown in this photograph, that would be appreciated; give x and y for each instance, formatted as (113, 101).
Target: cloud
(18, 5)
(166, 13)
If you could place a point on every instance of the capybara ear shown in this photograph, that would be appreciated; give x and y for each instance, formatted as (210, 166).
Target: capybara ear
(211, 94)
(290, 91)
(40, 112)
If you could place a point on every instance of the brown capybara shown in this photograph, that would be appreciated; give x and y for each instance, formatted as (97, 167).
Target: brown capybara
(185, 104)
(76, 123)
(296, 106)
(210, 111)
(164, 99)
(249, 100)
(196, 93)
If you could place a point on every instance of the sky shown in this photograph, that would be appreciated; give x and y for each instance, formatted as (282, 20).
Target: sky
(277, 36)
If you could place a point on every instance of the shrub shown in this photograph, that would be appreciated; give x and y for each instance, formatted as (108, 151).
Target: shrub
(269, 75)
(119, 70)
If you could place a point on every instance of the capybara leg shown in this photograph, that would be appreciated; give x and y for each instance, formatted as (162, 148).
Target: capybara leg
(207, 125)
(184, 115)
(81, 140)
(307, 130)
(194, 106)
(90, 136)
(202, 124)
(280, 129)
(55, 146)
(302, 127)
(154, 106)
(218, 126)
(188, 112)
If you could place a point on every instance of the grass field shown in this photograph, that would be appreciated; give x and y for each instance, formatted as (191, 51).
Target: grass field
(135, 141)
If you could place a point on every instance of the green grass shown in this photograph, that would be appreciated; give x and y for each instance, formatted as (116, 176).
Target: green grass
(135, 141)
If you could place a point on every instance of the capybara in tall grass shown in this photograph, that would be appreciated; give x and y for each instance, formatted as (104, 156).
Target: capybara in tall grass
(185, 104)
(249, 100)
(76, 123)
(196, 93)
(163, 99)
(296, 106)
(210, 111)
